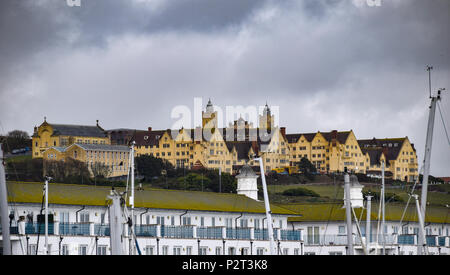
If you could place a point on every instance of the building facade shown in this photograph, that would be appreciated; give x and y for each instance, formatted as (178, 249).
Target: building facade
(398, 154)
(170, 222)
(49, 135)
(329, 151)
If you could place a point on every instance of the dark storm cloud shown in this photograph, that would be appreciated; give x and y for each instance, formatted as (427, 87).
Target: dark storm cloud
(327, 64)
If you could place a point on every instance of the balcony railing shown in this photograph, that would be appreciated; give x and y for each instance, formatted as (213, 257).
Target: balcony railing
(146, 230)
(441, 241)
(181, 232)
(290, 235)
(209, 232)
(39, 228)
(431, 240)
(101, 230)
(406, 239)
(238, 233)
(76, 229)
(262, 234)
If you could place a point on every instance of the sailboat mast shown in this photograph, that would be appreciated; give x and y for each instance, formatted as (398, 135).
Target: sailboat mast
(132, 196)
(427, 159)
(267, 206)
(4, 207)
(348, 214)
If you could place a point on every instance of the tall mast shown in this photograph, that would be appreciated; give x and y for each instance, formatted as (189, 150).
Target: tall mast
(4, 207)
(368, 231)
(46, 216)
(383, 209)
(427, 157)
(267, 206)
(132, 195)
(348, 213)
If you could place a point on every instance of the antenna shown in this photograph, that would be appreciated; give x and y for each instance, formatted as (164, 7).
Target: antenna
(429, 68)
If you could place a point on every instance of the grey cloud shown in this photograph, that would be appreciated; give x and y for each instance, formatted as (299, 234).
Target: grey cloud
(326, 64)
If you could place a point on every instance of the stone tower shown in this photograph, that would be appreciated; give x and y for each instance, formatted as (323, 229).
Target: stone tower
(266, 120)
(209, 117)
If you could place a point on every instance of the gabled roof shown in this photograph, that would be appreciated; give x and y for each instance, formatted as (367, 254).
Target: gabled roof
(374, 155)
(77, 130)
(146, 138)
(329, 136)
(71, 194)
(390, 146)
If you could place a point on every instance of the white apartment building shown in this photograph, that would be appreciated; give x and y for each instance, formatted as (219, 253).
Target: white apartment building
(174, 222)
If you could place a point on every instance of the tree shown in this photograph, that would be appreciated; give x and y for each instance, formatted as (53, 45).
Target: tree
(307, 168)
(150, 166)
(16, 139)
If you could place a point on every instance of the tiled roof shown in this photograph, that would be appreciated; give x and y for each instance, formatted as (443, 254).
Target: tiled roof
(77, 130)
(71, 194)
(329, 136)
(391, 146)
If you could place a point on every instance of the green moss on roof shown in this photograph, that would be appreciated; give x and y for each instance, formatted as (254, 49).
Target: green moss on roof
(71, 194)
(335, 212)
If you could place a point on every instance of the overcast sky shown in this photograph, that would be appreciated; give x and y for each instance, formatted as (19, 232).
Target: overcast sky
(331, 64)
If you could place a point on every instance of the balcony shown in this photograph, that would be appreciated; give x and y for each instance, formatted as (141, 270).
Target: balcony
(39, 228)
(262, 234)
(238, 233)
(146, 230)
(101, 230)
(179, 232)
(290, 235)
(406, 239)
(210, 232)
(74, 229)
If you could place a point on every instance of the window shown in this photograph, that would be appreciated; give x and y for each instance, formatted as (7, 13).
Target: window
(341, 229)
(203, 250)
(218, 250)
(84, 217)
(65, 249)
(285, 251)
(176, 250)
(243, 223)
(82, 249)
(228, 222)
(231, 251)
(165, 250)
(186, 220)
(256, 224)
(296, 251)
(260, 251)
(335, 253)
(188, 250)
(101, 250)
(32, 249)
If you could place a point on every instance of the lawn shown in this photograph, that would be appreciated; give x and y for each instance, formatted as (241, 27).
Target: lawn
(336, 192)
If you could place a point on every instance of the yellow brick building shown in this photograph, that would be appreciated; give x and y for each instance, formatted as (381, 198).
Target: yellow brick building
(108, 160)
(217, 148)
(398, 154)
(49, 135)
(328, 151)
